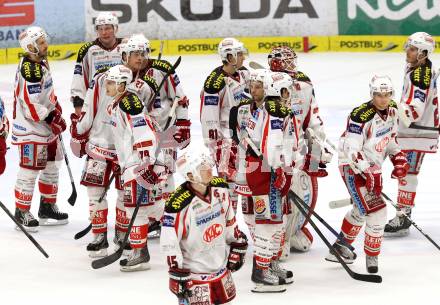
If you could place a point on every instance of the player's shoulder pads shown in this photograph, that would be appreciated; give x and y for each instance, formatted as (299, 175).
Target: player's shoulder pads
(84, 49)
(276, 109)
(180, 198)
(31, 71)
(422, 76)
(150, 82)
(162, 65)
(215, 81)
(363, 113)
(131, 104)
(302, 77)
(219, 182)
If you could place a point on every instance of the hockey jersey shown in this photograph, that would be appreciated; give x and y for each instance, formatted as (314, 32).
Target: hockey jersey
(420, 103)
(370, 136)
(197, 228)
(4, 123)
(34, 99)
(220, 93)
(97, 119)
(92, 57)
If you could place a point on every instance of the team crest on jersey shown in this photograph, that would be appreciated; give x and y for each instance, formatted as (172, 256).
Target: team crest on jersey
(212, 232)
(382, 144)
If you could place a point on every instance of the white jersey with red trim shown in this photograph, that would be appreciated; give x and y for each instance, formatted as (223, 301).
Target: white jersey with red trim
(92, 57)
(4, 122)
(34, 99)
(160, 108)
(197, 229)
(420, 102)
(220, 93)
(370, 136)
(134, 135)
(97, 119)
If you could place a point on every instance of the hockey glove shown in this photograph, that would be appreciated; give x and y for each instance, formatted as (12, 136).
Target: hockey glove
(180, 282)
(148, 176)
(400, 164)
(78, 142)
(56, 122)
(237, 255)
(280, 179)
(373, 179)
(183, 133)
(2, 154)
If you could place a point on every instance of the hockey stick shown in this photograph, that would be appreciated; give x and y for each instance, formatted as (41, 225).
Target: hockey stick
(160, 50)
(372, 278)
(72, 198)
(336, 204)
(4, 208)
(105, 261)
(298, 200)
(255, 65)
(84, 232)
(411, 221)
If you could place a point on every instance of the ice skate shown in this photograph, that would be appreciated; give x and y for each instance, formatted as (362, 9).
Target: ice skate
(372, 263)
(267, 281)
(25, 218)
(98, 247)
(136, 261)
(285, 274)
(49, 215)
(347, 255)
(398, 226)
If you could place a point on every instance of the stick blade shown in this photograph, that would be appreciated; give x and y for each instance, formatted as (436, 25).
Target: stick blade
(371, 278)
(108, 260)
(72, 198)
(83, 233)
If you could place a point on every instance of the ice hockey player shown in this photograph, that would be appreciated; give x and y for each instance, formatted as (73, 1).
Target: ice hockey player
(419, 106)
(171, 93)
(37, 125)
(370, 137)
(224, 88)
(261, 122)
(94, 56)
(92, 131)
(4, 131)
(305, 109)
(136, 147)
(200, 234)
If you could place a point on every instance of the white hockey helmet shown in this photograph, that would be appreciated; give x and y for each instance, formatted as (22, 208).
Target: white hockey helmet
(192, 159)
(381, 84)
(282, 59)
(258, 75)
(30, 37)
(119, 74)
(230, 46)
(136, 43)
(106, 18)
(274, 82)
(142, 39)
(423, 42)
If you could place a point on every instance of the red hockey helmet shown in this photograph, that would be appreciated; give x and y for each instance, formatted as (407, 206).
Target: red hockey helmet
(282, 59)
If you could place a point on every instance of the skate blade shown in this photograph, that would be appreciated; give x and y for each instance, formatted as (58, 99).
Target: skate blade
(138, 267)
(261, 288)
(99, 253)
(28, 229)
(333, 259)
(52, 222)
(400, 233)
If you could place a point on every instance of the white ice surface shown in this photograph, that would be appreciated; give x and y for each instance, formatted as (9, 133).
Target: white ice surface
(410, 267)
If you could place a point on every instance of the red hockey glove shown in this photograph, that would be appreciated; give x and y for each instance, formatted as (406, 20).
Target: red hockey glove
(401, 166)
(373, 178)
(2, 155)
(78, 142)
(280, 180)
(183, 133)
(180, 282)
(56, 122)
(237, 254)
(149, 176)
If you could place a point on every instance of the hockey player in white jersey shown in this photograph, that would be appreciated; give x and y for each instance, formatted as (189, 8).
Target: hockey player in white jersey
(306, 111)
(224, 88)
(93, 130)
(94, 56)
(370, 137)
(35, 130)
(136, 145)
(200, 234)
(419, 107)
(4, 131)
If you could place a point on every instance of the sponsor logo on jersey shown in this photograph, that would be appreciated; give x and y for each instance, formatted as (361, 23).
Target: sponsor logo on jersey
(201, 220)
(354, 192)
(212, 232)
(276, 124)
(138, 122)
(382, 144)
(168, 221)
(33, 89)
(260, 206)
(420, 95)
(354, 128)
(211, 100)
(48, 83)
(383, 131)
(18, 127)
(28, 154)
(78, 69)
(273, 202)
